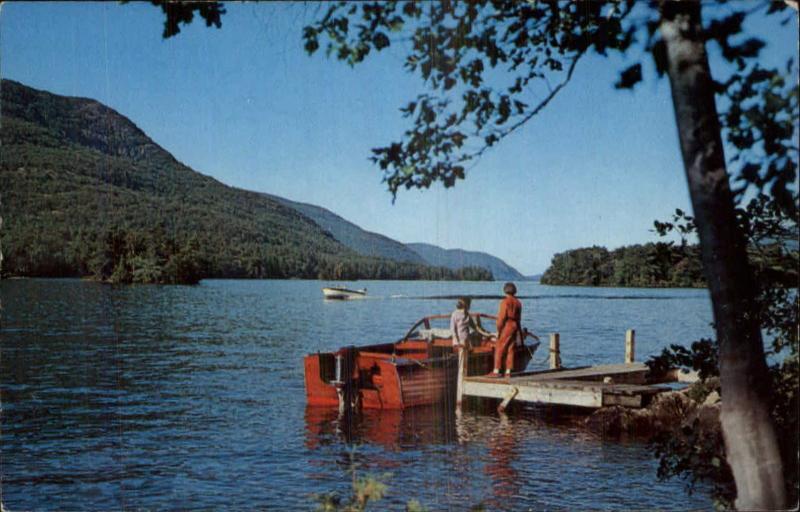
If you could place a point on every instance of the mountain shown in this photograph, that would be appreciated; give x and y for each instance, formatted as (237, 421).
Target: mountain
(368, 243)
(456, 258)
(373, 244)
(363, 242)
(85, 192)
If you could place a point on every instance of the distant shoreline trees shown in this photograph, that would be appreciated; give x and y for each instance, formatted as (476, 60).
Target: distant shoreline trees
(128, 255)
(652, 265)
(664, 265)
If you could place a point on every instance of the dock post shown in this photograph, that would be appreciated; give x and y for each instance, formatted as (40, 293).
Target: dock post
(507, 399)
(463, 359)
(555, 352)
(630, 344)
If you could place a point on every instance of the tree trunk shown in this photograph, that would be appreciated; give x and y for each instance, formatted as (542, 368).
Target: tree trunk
(750, 442)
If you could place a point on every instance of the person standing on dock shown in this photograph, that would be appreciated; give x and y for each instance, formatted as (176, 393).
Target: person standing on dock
(509, 318)
(460, 323)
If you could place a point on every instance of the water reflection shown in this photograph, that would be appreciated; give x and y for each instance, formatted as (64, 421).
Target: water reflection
(464, 444)
(455, 460)
(503, 452)
(390, 429)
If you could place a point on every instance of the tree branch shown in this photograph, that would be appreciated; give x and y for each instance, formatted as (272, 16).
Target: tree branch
(542, 104)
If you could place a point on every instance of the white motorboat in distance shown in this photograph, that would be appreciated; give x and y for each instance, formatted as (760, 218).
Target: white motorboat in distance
(342, 293)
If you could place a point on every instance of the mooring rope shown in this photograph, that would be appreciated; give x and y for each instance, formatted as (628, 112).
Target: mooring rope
(421, 364)
(546, 357)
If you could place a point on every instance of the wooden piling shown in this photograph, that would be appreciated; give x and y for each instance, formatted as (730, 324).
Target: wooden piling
(463, 356)
(507, 399)
(630, 345)
(555, 351)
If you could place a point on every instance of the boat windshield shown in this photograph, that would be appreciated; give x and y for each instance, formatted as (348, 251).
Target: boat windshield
(436, 327)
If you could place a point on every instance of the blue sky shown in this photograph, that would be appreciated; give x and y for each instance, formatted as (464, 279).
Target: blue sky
(247, 106)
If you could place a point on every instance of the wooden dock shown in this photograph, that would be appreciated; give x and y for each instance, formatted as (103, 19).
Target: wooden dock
(627, 384)
(582, 387)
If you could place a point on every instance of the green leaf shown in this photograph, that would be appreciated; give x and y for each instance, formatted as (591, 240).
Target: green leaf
(380, 40)
(629, 77)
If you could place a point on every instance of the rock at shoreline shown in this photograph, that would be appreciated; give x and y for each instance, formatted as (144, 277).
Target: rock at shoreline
(668, 411)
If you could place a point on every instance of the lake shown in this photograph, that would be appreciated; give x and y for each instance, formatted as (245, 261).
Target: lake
(192, 397)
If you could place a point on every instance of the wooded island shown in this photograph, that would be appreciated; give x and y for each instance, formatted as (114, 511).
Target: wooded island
(651, 265)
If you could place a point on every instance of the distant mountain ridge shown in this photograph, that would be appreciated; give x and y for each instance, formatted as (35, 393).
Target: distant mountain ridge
(111, 174)
(368, 243)
(374, 244)
(85, 192)
(456, 258)
(362, 241)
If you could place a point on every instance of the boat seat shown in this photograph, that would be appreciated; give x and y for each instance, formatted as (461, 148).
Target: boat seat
(435, 334)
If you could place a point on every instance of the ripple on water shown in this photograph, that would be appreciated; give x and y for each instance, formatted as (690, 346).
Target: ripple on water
(148, 397)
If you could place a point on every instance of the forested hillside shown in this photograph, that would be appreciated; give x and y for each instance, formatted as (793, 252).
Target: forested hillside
(649, 265)
(367, 243)
(456, 258)
(86, 193)
(361, 241)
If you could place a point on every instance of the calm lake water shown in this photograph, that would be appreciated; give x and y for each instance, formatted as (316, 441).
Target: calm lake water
(192, 397)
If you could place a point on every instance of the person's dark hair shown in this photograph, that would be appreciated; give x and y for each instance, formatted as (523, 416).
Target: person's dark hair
(463, 303)
(509, 289)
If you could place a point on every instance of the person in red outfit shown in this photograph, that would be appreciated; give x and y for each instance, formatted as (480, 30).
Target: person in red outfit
(508, 329)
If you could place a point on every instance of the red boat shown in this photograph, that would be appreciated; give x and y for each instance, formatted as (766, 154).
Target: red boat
(420, 369)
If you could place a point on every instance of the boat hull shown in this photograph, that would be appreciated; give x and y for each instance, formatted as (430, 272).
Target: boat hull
(381, 379)
(343, 293)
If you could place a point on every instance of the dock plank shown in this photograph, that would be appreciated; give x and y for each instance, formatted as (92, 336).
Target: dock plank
(582, 387)
(598, 372)
(630, 373)
(538, 392)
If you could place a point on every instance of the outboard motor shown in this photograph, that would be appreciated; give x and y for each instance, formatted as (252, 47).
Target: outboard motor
(345, 383)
